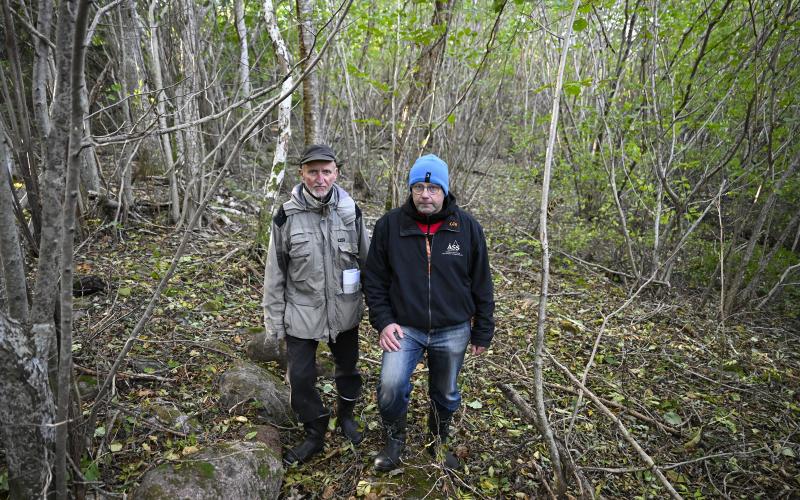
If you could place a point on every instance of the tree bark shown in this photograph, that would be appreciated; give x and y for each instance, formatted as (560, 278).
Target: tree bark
(26, 415)
(308, 35)
(244, 54)
(78, 111)
(13, 268)
(134, 104)
(161, 109)
(278, 171)
(44, 293)
(190, 88)
(24, 150)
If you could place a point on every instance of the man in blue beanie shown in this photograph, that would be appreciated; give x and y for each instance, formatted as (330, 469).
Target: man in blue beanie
(429, 289)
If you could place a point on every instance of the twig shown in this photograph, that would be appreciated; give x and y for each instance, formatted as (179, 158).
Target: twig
(128, 375)
(563, 453)
(498, 273)
(620, 406)
(598, 266)
(625, 470)
(604, 409)
(608, 402)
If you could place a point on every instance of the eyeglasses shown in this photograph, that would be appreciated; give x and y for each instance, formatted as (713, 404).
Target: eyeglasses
(420, 188)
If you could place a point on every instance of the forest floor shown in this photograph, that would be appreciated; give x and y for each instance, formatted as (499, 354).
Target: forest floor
(715, 405)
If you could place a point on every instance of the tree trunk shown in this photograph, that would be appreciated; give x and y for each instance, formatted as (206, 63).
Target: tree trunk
(161, 99)
(136, 108)
(308, 35)
(23, 150)
(277, 173)
(420, 99)
(190, 88)
(13, 268)
(26, 415)
(244, 54)
(78, 111)
(544, 424)
(44, 293)
(738, 272)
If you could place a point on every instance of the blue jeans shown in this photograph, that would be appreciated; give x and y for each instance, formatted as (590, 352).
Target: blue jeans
(445, 347)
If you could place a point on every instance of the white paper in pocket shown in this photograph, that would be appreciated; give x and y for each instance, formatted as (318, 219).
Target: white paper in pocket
(350, 279)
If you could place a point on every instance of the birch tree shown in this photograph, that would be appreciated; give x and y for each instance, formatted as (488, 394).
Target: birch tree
(244, 53)
(278, 170)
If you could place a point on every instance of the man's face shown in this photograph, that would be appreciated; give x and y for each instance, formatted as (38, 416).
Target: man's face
(319, 176)
(428, 198)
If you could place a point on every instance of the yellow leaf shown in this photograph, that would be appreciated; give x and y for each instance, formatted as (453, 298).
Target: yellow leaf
(188, 450)
(240, 418)
(695, 440)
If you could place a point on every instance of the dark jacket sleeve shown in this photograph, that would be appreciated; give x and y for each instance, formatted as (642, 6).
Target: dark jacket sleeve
(482, 290)
(377, 278)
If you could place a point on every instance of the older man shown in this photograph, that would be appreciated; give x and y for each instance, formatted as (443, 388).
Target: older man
(312, 293)
(429, 290)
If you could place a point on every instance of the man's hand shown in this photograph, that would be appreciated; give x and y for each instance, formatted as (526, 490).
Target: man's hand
(389, 337)
(476, 350)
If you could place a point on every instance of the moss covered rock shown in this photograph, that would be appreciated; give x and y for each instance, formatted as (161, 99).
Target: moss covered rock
(226, 470)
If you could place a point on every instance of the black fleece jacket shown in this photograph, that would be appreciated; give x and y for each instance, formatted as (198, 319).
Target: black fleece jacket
(399, 288)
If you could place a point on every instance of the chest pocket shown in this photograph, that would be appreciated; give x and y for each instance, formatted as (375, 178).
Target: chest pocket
(347, 246)
(301, 257)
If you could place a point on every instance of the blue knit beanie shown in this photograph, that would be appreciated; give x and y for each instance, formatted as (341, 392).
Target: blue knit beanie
(430, 168)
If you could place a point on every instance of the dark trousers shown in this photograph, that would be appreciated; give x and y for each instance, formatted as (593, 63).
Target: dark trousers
(302, 359)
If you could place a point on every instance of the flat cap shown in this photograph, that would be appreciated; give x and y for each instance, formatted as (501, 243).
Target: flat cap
(316, 152)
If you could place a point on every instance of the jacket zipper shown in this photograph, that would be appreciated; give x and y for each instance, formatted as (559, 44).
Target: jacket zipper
(429, 247)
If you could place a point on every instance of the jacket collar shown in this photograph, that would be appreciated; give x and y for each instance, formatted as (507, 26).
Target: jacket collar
(448, 215)
(302, 201)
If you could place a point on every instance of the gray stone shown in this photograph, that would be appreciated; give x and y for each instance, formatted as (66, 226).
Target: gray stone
(166, 414)
(245, 383)
(235, 470)
(263, 347)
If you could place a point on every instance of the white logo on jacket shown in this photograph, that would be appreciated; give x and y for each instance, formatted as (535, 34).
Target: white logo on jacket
(453, 249)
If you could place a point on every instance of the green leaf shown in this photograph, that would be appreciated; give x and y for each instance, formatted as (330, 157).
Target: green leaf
(115, 446)
(475, 405)
(250, 435)
(100, 432)
(125, 292)
(572, 89)
(92, 472)
(580, 24)
(327, 388)
(672, 418)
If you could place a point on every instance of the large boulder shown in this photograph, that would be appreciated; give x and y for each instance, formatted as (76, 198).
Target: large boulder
(226, 470)
(245, 384)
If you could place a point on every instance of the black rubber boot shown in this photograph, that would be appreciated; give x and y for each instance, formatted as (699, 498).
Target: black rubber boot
(389, 457)
(311, 445)
(344, 416)
(439, 427)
